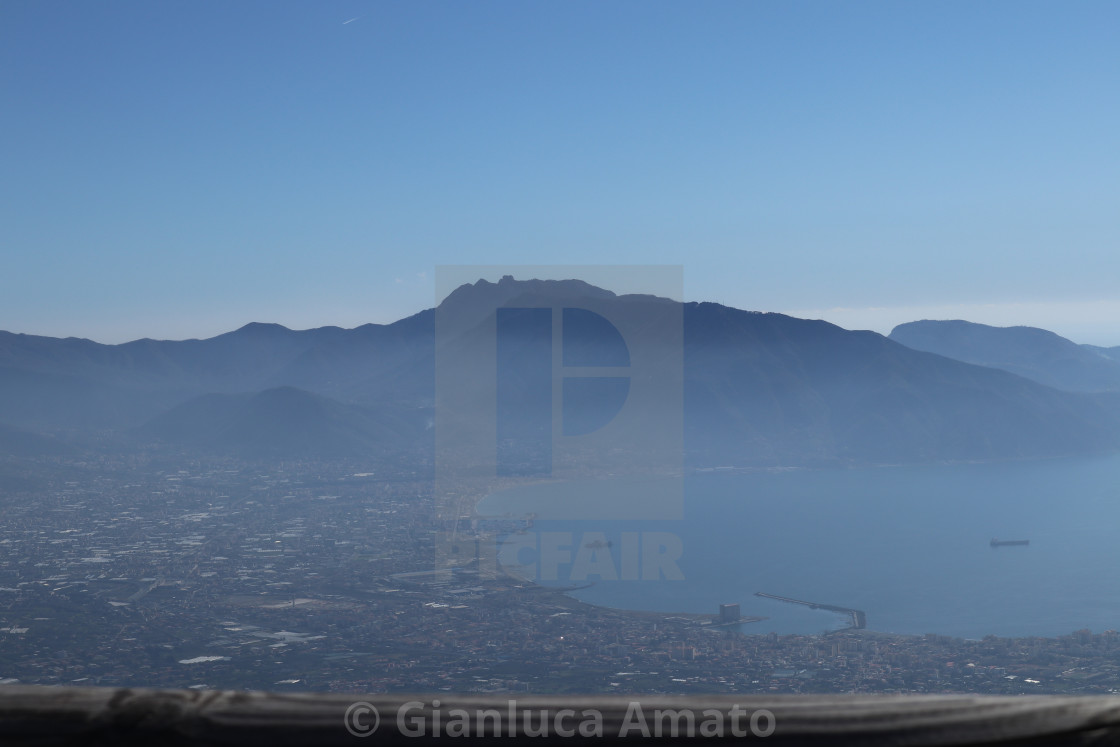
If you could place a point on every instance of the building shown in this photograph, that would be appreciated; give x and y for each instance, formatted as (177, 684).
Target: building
(728, 613)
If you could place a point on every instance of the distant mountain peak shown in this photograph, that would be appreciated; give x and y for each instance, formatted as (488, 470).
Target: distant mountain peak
(1037, 354)
(956, 326)
(508, 287)
(475, 301)
(262, 328)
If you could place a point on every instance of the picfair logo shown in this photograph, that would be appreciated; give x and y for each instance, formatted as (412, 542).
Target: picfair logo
(594, 382)
(568, 385)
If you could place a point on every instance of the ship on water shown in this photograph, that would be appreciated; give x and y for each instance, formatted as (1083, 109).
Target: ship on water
(1008, 543)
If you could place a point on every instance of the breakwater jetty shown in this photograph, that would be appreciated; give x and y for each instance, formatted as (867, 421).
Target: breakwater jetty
(1009, 543)
(858, 617)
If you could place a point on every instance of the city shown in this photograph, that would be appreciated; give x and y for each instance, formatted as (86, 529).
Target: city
(162, 571)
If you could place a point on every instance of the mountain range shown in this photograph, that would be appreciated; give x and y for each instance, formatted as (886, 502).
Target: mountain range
(760, 389)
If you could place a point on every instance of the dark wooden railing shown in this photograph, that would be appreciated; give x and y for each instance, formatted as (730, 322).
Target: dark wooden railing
(105, 716)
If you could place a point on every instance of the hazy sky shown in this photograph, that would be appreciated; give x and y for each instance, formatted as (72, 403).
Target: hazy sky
(176, 169)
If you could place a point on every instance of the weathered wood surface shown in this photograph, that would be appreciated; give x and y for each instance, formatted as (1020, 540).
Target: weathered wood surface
(104, 716)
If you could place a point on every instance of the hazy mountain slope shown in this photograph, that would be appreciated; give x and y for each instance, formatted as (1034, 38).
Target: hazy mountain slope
(759, 388)
(1027, 351)
(396, 362)
(235, 361)
(49, 401)
(772, 389)
(1110, 353)
(791, 390)
(286, 422)
(21, 443)
(370, 364)
(52, 383)
(232, 360)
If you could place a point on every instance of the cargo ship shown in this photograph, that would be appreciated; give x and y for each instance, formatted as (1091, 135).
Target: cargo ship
(1008, 543)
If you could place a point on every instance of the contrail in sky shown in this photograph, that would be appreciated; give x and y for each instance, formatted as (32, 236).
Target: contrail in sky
(351, 20)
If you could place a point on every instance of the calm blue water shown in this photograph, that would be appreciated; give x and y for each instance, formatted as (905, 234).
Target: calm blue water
(908, 545)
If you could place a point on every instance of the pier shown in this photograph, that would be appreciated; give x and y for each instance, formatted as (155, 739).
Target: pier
(741, 621)
(858, 617)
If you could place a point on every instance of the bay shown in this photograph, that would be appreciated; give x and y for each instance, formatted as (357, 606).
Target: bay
(909, 546)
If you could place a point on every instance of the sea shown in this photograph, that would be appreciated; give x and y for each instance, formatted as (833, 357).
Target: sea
(910, 546)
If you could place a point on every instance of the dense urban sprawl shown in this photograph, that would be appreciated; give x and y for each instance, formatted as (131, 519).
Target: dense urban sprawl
(152, 571)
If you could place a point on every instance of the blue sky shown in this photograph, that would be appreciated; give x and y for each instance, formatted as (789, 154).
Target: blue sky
(177, 169)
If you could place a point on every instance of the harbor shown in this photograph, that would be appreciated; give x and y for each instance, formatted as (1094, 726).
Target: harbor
(858, 617)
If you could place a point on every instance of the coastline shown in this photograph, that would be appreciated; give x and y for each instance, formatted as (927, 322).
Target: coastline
(1068, 610)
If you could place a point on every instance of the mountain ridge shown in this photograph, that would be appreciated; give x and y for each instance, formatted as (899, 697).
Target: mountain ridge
(760, 388)
(1030, 352)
